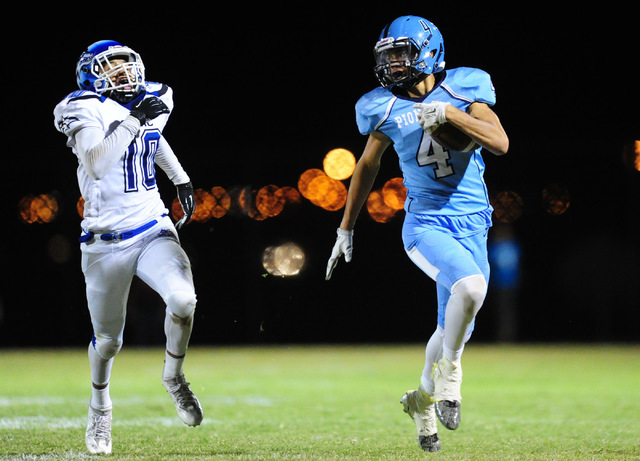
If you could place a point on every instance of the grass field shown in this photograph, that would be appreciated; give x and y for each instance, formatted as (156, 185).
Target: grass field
(329, 402)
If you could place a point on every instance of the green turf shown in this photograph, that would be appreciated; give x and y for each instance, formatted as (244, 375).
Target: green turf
(322, 402)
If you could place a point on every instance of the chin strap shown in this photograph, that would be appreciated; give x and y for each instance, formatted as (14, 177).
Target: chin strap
(126, 98)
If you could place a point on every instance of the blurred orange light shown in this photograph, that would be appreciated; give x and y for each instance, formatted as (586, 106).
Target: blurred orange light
(507, 206)
(378, 209)
(291, 195)
(221, 202)
(80, 206)
(394, 193)
(339, 164)
(244, 202)
(255, 214)
(327, 193)
(321, 190)
(176, 209)
(42, 208)
(239, 204)
(631, 155)
(555, 199)
(306, 178)
(270, 200)
(205, 203)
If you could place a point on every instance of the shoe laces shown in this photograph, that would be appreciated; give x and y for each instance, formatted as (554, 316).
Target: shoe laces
(183, 394)
(101, 427)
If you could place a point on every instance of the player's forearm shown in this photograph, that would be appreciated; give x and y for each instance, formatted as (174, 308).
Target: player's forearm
(361, 184)
(483, 126)
(99, 156)
(168, 161)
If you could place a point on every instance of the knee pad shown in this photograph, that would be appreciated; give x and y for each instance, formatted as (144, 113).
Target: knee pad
(107, 347)
(472, 290)
(181, 304)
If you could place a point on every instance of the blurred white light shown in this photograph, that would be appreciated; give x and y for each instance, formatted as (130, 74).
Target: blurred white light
(283, 260)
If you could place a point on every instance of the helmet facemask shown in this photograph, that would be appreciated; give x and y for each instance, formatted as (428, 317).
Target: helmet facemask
(121, 81)
(397, 63)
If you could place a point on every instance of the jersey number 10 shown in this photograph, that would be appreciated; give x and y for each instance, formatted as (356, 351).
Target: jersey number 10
(139, 162)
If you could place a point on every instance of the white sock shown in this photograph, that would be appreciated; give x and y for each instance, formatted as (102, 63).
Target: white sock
(100, 398)
(172, 366)
(433, 353)
(178, 331)
(100, 368)
(453, 356)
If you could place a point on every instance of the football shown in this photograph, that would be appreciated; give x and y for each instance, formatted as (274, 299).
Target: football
(451, 138)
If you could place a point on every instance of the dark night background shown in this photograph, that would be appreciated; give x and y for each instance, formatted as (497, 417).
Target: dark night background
(260, 96)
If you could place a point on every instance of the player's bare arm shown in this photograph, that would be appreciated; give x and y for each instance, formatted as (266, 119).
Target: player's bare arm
(363, 177)
(482, 124)
(361, 183)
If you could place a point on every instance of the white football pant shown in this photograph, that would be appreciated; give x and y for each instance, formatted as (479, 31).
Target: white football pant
(157, 258)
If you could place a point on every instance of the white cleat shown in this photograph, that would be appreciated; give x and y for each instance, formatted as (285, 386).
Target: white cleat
(98, 435)
(420, 407)
(447, 377)
(187, 404)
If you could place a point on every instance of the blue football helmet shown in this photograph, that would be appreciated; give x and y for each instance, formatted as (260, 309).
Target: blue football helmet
(122, 82)
(409, 48)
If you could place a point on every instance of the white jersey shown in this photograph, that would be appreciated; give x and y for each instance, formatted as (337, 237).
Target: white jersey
(127, 196)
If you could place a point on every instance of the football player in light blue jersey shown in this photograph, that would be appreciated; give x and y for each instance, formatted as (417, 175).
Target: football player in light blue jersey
(448, 213)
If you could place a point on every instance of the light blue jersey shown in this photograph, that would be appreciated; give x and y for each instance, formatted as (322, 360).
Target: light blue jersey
(438, 181)
(448, 209)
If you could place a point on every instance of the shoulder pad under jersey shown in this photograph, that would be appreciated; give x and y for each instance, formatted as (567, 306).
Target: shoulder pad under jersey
(162, 91)
(78, 109)
(470, 83)
(372, 109)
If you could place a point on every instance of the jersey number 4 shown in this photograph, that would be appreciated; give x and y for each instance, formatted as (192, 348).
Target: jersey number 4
(432, 153)
(139, 162)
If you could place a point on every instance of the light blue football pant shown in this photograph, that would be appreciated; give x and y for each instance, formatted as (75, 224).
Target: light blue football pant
(444, 257)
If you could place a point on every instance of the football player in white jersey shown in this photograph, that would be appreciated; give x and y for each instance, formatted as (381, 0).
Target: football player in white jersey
(113, 125)
(448, 213)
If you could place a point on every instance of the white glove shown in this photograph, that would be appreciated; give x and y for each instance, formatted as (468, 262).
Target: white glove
(431, 114)
(343, 246)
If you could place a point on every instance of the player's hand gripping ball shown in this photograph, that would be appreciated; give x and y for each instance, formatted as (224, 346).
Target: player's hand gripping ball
(432, 118)
(431, 114)
(451, 138)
